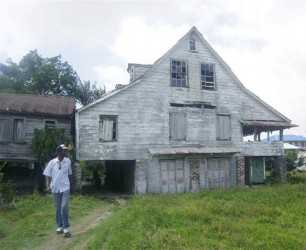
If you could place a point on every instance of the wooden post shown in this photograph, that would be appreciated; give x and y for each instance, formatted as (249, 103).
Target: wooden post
(281, 134)
(255, 134)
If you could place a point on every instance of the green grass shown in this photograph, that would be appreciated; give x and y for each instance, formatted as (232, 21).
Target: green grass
(271, 217)
(265, 217)
(32, 219)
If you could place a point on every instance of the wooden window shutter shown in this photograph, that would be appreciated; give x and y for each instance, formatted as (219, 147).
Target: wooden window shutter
(5, 130)
(18, 128)
(178, 126)
(223, 127)
(108, 128)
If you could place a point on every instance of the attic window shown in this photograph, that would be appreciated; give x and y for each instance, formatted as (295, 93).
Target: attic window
(192, 45)
(178, 73)
(208, 76)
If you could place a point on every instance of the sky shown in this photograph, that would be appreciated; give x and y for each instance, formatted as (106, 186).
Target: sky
(262, 41)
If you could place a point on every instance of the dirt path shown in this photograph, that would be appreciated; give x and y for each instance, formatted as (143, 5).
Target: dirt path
(81, 227)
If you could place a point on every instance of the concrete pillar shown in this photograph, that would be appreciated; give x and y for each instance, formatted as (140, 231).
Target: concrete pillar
(280, 167)
(240, 171)
(141, 176)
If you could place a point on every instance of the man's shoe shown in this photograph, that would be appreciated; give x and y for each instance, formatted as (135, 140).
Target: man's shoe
(66, 232)
(59, 230)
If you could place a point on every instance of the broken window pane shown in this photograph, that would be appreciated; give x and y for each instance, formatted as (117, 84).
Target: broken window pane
(178, 72)
(207, 76)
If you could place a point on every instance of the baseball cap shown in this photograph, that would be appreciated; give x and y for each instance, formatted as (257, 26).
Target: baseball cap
(61, 148)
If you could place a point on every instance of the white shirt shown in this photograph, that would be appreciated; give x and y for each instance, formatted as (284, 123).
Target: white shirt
(59, 171)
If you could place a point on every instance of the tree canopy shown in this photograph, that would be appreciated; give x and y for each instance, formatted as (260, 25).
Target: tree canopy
(46, 76)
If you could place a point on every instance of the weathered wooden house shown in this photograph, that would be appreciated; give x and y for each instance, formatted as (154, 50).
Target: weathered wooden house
(21, 114)
(179, 124)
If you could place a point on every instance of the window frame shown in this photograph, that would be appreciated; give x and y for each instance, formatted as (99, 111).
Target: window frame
(208, 85)
(113, 118)
(50, 120)
(172, 84)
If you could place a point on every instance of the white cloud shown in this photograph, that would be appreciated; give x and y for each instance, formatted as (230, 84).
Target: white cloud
(14, 41)
(262, 41)
(140, 42)
(111, 75)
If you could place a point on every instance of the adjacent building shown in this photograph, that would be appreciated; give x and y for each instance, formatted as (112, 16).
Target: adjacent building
(21, 114)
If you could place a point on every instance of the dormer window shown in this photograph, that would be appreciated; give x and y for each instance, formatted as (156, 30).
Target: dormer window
(192, 45)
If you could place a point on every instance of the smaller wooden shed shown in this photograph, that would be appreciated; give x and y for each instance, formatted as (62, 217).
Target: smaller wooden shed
(21, 114)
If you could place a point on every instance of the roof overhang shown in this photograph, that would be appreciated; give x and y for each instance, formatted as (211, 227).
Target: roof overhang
(249, 126)
(193, 150)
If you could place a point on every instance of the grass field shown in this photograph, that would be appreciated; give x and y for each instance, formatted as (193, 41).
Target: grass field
(265, 217)
(31, 221)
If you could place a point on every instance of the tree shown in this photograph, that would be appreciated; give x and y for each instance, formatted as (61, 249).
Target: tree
(46, 76)
(11, 80)
(89, 92)
(44, 143)
(293, 160)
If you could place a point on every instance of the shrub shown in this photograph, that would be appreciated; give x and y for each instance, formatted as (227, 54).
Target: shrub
(7, 192)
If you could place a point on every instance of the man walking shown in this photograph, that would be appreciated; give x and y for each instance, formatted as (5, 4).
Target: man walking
(58, 179)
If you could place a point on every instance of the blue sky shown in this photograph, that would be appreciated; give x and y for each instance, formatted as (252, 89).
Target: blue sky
(262, 41)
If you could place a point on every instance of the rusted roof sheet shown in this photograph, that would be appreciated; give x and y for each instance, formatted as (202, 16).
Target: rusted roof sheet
(38, 104)
(267, 124)
(193, 150)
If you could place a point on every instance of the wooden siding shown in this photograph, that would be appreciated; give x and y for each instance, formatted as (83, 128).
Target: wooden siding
(144, 108)
(20, 148)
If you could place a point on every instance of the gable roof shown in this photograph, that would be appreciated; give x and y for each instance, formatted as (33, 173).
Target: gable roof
(37, 104)
(192, 32)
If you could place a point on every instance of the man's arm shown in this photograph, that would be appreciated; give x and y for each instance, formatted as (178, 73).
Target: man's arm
(71, 182)
(48, 182)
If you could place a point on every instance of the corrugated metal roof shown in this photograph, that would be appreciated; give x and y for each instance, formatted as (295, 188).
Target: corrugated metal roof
(287, 138)
(193, 150)
(53, 105)
(268, 124)
(289, 146)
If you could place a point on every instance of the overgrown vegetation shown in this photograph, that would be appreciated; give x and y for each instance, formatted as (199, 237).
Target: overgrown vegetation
(88, 167)
(270, 217)
(267, 217)
(293, 160)
(45, 142)
(30, 222)
(7, 191)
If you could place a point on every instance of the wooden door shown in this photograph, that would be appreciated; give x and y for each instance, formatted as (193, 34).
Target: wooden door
(258, 171)
(218, 172)
(172, 176)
